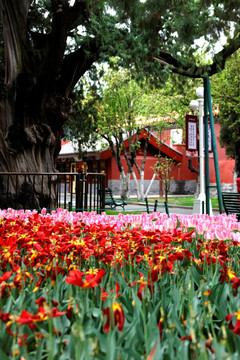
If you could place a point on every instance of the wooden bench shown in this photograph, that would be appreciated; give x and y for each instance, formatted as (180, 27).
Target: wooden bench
(111, 202)
(231, 202)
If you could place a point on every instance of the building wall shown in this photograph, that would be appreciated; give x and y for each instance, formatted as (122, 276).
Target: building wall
(184, 181)
(115, 186)
(179, 187)
(183, 187)
(226, 165)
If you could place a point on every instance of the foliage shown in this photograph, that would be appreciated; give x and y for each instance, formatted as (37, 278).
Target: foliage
(119, 124)
(119, 97)
(168, 103)
(126, 108)
(79, 34)
(87, 286)
(119, 105)
(169, 31)
(82, 123)
(229, 110)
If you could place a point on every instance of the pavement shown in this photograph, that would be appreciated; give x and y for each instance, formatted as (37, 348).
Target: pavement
(173, 209)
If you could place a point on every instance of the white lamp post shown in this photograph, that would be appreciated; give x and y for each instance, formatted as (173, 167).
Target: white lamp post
(199, 203)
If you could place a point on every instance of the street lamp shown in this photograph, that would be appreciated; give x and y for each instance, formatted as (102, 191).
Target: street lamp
(199, 203)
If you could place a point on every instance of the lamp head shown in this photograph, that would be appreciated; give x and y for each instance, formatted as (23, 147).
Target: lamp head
(200, 91)
(193, 105)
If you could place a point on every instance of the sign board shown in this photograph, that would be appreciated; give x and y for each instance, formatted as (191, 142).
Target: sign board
(191, 132)
(209, 139)
(192, 137)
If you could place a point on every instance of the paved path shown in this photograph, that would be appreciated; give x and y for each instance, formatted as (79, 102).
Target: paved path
(172, 209)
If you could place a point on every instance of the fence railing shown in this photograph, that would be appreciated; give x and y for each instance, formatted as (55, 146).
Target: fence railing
(73, 191)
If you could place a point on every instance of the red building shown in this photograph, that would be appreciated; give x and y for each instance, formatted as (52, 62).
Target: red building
(184, 180)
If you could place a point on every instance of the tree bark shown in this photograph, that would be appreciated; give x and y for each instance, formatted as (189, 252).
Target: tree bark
(124, 181)
(36, 97)
(136, 185)
(31, 116)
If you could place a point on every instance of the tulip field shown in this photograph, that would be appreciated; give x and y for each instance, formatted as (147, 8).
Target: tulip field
(86, 286)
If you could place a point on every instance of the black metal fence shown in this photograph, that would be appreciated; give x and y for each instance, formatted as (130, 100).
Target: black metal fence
(72, 191)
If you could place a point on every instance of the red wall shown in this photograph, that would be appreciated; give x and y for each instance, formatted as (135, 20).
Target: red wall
(226, 166)
(181, 173)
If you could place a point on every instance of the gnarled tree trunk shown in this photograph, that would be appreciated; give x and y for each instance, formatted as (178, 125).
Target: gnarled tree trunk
(30, 117)
(34, 99)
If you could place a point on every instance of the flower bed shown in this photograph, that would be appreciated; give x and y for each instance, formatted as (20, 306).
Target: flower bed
(88, 286)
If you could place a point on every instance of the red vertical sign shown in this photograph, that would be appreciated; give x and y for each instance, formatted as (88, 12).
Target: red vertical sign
(191, 132)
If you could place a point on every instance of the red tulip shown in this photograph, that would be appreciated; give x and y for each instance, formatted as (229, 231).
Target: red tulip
(91, 279)
(118, 314)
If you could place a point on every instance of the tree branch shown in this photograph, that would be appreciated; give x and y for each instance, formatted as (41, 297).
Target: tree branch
(133, 152)
(77, 14)
(76, 64)
(115, 152)
(145, 149)
(58, 39)
(125, 154)
(63, 20)
(194, 71)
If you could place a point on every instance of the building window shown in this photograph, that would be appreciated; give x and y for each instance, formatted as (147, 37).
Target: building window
(176, 137)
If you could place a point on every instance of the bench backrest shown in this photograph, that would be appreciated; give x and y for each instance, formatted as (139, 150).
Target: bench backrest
(231, 202)
(108, 194)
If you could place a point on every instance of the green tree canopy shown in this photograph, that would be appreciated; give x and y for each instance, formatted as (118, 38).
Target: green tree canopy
(118, 111)
(226, 92)
(124, 110)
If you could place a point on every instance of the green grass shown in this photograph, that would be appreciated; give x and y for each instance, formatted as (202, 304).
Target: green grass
(114, 212)
(186, 201)
(179, 201)
(182, 201)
